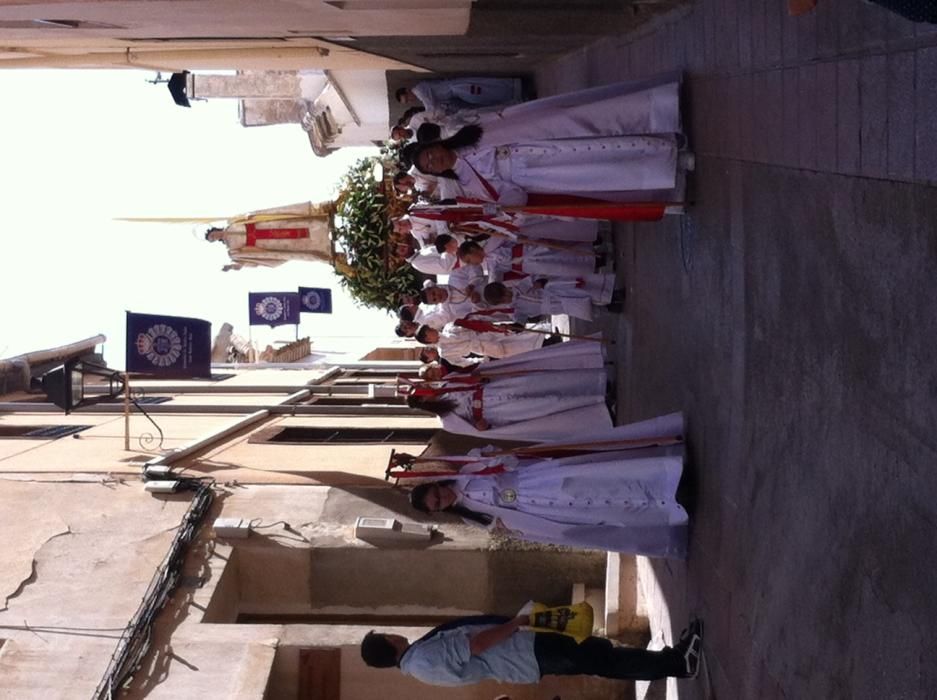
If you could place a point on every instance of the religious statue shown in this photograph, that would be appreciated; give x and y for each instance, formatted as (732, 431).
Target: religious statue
(271, 237)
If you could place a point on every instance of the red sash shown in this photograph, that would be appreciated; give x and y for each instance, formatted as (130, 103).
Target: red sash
(492, 192)
(492, 312)
(477, 404)
(517, 258)
(255, 234)
(480, 326)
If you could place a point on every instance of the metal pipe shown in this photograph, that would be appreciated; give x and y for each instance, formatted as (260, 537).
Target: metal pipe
(62, 352)
(214, 409)
(158, 389)
(204, 442)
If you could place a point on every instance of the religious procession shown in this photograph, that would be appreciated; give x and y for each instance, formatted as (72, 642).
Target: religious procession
(506, 223)
(496, 209)
(468, 349)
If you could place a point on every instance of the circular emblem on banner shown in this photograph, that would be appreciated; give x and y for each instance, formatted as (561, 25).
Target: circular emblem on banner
(161, 345)
(269, 308)
(508, 495)
(312, 300)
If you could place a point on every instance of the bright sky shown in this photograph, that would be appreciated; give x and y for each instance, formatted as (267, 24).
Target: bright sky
(80, 148)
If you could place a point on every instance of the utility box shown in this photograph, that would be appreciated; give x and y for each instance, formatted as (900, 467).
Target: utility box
(389, 529)
(232, 528)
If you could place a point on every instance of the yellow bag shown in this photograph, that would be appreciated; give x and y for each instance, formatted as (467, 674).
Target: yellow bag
(573, 620)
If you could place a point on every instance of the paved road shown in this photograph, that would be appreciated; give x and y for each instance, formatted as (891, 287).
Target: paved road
(793, 316)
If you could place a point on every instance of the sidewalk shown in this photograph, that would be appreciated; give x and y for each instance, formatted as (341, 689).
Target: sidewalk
(793, 316)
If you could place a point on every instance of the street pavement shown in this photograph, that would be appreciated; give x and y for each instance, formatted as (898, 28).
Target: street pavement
(792, 314)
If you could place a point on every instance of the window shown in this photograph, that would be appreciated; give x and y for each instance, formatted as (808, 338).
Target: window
(55, 24)
(39, 432)
(360, 400)
(298, 435)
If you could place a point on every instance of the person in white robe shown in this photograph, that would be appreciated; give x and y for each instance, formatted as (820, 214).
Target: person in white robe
(620, 500)
(452, 302)
(423, 230)
(603, 143)
(425, 259)
(455, 342)
(531, 296)
(528, 258)
(454, 94)
(543, 394)
(512, 226)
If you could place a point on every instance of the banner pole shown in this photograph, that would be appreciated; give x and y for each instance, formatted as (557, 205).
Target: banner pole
(126, 412)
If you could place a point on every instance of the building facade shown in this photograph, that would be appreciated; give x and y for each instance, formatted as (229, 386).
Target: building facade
(296, 453)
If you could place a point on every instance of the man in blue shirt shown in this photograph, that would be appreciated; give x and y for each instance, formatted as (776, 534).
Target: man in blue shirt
(487, 647)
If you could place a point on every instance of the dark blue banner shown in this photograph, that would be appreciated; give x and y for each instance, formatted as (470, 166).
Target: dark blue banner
(315, 300)
(273, 308)
(168, 346)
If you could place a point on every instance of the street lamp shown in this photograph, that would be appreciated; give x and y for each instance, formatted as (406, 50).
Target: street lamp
(65, 385)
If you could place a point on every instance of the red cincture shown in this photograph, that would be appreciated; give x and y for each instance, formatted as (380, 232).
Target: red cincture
(255, 234)
(492, 192)
(477, 404)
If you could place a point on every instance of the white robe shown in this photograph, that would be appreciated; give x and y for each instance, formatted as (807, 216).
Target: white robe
(580, 166)
(426, 230)
(557, 229)
(562, 295)
(431, 262)
(621, 501)
(456, 342)
(611, 110)
(456, 94)
(540, 260)
(512, 400)
(551, 134)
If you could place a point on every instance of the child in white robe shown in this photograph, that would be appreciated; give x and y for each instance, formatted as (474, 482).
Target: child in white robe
(528, 258)
(455, 342)
(530, 296)
(620, 500)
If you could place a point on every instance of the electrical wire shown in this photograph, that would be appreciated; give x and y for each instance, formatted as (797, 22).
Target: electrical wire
(134, 643)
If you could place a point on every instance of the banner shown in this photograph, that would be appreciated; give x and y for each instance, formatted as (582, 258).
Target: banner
(273, 308)
(315, 300)
(168, 346)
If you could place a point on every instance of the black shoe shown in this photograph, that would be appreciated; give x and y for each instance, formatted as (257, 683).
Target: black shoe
(690, 649)
(552, 340)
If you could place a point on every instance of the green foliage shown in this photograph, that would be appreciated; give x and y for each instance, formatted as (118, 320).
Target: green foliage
(373, 274)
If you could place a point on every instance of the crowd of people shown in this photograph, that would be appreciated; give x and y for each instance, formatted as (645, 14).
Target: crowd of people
(506, 201)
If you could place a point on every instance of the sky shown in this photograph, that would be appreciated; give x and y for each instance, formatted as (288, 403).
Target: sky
(80, 148)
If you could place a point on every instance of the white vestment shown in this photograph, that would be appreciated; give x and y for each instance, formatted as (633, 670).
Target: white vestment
(557, 229)
(581, 166)
(611, 110)
(456, 94)
(515, 404)
(426, 230)
(432, 315)
(562, 295)
(456, 342)
(563, 501)
(620, 501)
(539, 260)
(431, 262)
(615, 142)
(272, 252)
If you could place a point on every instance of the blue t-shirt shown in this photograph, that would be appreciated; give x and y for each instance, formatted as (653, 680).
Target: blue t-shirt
(444, 658)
